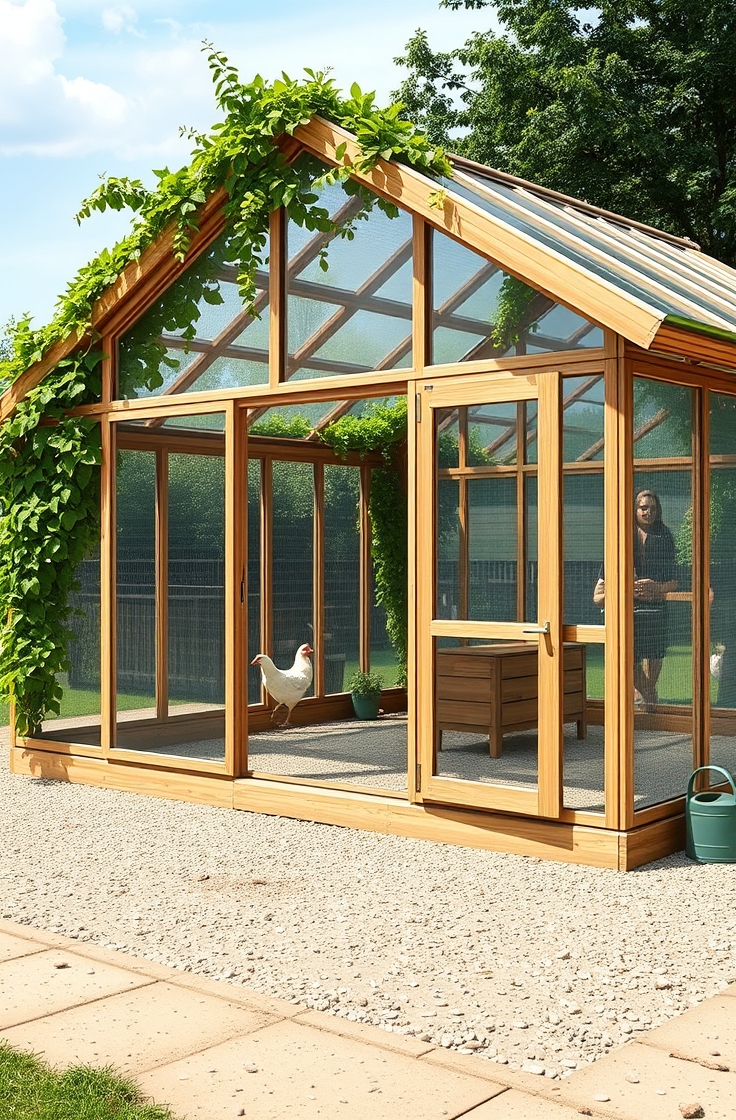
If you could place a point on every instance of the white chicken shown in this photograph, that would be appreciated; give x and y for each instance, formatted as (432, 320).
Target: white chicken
(286, 686)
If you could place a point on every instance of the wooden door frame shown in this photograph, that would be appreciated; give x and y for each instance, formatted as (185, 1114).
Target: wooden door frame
(544, 386)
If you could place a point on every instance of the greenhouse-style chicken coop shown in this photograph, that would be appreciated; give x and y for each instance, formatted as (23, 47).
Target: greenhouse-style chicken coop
(483, 445)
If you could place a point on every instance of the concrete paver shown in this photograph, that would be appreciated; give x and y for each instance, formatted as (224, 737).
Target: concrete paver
(136, 1031)
(11, 946)
(664, 1083)
(513, 1105)
(711, 1027)
(310, 1074)
(192, 1042)
(31, 987)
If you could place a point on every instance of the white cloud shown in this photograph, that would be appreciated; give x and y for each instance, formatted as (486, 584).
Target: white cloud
(122, 18)
(45, 111)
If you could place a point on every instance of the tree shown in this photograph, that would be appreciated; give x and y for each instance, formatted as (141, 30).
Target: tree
(630, 105)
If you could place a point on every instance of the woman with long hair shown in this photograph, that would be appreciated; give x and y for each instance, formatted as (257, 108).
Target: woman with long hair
(655, 574)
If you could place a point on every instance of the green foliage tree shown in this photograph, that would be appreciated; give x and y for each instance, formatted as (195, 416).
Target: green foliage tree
(629, 104)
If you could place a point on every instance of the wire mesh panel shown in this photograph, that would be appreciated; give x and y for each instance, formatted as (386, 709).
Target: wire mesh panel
(171, 589)
(255, 641)
(721, 669)
(196, 579)
(136, 582)
(293, 560)
(663, 590)
(79, 715)
(583, 778)
(492, 547)
(341, 577)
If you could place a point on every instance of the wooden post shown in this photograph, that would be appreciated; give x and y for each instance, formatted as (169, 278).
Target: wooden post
(236, 590)
(422, 295)
(614, 752)
(108, 587)
(550, 585)
(318, 579)
(277, 298)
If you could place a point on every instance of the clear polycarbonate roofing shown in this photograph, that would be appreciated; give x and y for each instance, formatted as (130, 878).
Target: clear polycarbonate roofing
(669, 275)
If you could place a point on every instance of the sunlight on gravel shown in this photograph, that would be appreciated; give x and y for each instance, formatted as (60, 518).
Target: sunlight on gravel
(535, 964)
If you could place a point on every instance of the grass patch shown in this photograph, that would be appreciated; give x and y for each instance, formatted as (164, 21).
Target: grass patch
(31, 1090)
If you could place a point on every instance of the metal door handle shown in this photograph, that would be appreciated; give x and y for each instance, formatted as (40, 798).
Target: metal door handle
(537, 629)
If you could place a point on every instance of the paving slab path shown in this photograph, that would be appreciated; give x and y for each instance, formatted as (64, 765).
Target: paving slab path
(211, 1051)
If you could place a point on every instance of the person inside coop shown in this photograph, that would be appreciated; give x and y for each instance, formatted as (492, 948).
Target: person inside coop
(655, 576)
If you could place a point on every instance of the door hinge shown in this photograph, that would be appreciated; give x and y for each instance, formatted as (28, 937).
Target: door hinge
(418, 777)
(419, 408)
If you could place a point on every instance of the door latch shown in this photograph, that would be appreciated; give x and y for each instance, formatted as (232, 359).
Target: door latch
(537, 629)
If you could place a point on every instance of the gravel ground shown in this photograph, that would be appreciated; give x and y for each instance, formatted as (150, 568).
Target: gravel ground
(525, 962)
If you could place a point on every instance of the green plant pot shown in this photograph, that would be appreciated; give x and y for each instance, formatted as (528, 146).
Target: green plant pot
(365, 707)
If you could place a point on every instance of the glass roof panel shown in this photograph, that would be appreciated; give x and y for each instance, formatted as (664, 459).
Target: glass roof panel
(671, 279)
(482, 312)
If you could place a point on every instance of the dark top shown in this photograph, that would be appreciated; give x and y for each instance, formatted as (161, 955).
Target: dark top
(655, 558)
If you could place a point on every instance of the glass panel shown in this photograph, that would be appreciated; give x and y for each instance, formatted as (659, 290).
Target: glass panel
(662, 563)
(136, 584)
(196, 555)
(255, 643)
(342, 576)
(722, 654)
(196, 336)
(355, 315)
(582, 419)
(79, 716)
(486, 712)
(583, 546)
(482, 312)
(384, 659)
(448, 435)
(491, 434)
(584, 758)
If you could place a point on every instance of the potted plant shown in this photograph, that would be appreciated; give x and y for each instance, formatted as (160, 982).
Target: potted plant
(365, 692)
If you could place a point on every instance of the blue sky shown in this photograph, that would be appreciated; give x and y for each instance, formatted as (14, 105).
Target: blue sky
(89, 87)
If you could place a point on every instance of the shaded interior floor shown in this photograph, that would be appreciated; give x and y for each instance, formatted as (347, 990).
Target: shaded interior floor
(373, 754)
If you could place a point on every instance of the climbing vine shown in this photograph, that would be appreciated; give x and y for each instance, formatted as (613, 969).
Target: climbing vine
(49, 481)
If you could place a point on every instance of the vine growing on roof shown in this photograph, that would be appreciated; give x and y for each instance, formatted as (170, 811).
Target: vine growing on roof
(49, 482)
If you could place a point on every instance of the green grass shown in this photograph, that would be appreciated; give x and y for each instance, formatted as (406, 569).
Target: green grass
(86, 702)
(31, 1090)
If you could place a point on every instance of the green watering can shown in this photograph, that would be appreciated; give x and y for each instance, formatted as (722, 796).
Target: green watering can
(710, 821)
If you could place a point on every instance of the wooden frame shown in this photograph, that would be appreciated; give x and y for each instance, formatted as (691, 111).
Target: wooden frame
(637, 342)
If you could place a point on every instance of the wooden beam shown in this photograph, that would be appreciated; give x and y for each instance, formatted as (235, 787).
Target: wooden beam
(690, 344)
(108, 586)
(277, 323)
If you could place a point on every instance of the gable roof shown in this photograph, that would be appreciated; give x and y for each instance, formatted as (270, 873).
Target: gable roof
(656, 290)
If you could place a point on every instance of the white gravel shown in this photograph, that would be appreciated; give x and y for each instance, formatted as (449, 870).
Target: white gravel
(525, 962)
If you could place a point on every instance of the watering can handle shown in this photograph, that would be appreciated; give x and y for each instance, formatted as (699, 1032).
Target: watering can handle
(719, 769)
